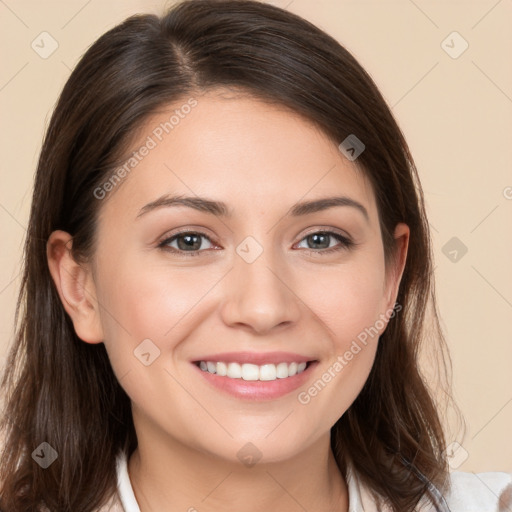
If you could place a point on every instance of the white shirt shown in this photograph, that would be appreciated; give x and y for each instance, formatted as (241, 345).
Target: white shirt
(470, 492)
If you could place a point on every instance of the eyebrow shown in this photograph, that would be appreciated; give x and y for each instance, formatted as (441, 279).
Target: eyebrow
(220, 209)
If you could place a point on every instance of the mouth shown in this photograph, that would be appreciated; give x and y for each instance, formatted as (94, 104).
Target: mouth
(256, 377)
(253, 372)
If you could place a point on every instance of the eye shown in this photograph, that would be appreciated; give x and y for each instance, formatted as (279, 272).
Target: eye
(188, 243)
(322, 240)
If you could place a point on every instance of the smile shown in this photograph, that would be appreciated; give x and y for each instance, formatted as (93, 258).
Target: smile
(253, 372)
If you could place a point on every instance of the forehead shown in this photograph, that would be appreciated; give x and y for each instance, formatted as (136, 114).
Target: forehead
(238, 149)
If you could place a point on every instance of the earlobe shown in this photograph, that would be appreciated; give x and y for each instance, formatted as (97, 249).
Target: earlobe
(75, 287)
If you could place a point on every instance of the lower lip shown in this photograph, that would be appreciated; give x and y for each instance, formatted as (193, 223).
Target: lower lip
(258, 390)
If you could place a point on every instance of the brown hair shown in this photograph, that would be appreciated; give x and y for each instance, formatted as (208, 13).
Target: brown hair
(392, 432)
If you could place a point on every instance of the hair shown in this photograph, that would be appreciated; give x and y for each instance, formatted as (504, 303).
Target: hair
(60, 390)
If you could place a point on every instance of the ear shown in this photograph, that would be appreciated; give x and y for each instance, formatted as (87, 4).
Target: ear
(75, 286)
(397, 264)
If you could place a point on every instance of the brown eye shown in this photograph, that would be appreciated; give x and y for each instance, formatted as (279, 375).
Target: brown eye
(320, 241)
(190, 242)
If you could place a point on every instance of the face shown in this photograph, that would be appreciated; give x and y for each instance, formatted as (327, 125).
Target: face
(247, 283)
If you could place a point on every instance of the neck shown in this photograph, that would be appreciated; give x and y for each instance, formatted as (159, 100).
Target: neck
(170, 476)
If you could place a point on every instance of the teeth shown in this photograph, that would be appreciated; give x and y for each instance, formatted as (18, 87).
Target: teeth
(222, 369)
(252, 372)
(268, 372)
(234, 371)
(282, 371)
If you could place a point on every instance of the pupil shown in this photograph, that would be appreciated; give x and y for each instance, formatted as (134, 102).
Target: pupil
(316, 236)
(191, 241)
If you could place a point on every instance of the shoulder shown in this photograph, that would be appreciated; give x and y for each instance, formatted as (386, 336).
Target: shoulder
(467, 492)
(480, 492)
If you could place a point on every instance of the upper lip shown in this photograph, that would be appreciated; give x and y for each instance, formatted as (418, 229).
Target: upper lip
(258, 358)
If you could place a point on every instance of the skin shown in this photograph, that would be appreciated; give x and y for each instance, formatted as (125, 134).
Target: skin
(260, 159)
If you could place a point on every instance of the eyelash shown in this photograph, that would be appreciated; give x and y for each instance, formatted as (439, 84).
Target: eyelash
(345, 243)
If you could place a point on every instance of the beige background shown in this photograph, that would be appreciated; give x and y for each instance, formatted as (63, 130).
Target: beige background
(456, 114)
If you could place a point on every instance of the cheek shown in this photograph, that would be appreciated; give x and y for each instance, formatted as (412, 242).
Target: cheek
(147, 310)
(349, 299)
(141, 302)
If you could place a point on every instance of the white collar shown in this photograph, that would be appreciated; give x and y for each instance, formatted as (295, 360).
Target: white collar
(124, 485)
(130, 504)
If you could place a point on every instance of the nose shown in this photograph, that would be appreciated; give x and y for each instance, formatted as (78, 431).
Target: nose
(260, 296)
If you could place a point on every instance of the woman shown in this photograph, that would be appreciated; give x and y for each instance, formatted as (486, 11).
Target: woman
(227, 270)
